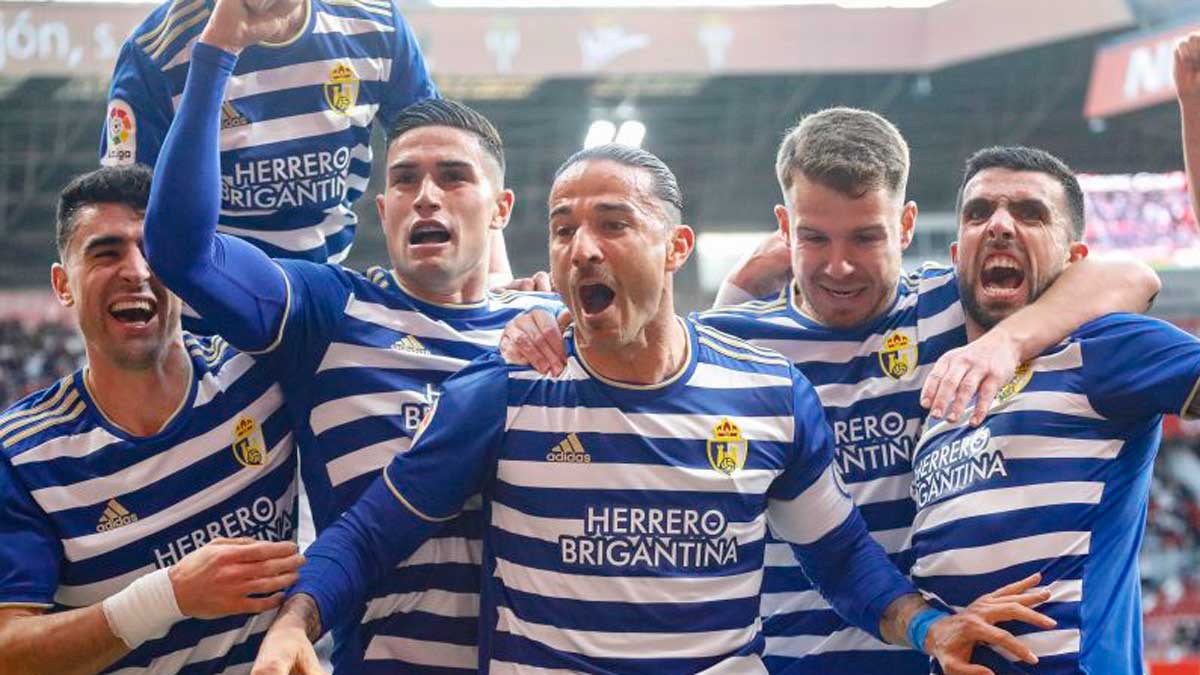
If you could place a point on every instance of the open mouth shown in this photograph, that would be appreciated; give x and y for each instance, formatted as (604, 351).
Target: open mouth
(133, 312)
(595, 298)
(428, 233)
(842, 293)
(1001, 274)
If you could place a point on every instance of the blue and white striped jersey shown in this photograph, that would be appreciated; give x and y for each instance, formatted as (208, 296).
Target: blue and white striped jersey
(627, 524)
(86, 508)
(1055, 481)
(364, 361)
(295, 123)
(869, 381)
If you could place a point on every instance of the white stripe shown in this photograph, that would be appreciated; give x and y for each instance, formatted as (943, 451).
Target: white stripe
(886, 489)
(223, 379)
(295, 127)
(446, 550)
(208, 648)
(154, 469)
(844, 640)
(366, 460)
(1061, 402)
(1052, 642)
(628, 645)
(344, 355)
(422, 652)
(634, 590)
(417, 323)
(1054, 447)
(711, 376)
(508, 668)
(75, 445)
(788, 603)
(813, 513)
(92, 545)
(614, 476)
(549, 529)
(89, 594)
(1004, 500)
(997, 556)
(345, 25)
(341, 411)
(845, 395)
(944, 321)
(299, 239)
(650, 425)
(295, 75)
(430, 601)
(1063, 590)
(572, 372)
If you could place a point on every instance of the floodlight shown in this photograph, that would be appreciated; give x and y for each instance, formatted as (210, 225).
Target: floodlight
(631, 133)
(601, 132)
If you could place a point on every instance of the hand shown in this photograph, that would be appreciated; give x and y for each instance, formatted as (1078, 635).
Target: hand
(767, 269)
(979, 369)
(217, 579)
(539, 282)
(287, 649)
(237, 24)
(535, 339)
(952, 639)
(1187, 70)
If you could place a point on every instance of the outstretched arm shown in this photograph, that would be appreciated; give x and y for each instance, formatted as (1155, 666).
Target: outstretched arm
(231, 283)
(1086, 290)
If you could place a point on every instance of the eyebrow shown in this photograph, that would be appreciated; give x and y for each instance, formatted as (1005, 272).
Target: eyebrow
(100, 242)
(619, 207)
(1028, 202)
(443, 164)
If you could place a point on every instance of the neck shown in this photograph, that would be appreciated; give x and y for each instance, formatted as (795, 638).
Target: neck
(974, 330)
(654, 356)
(140, 401)
(469, 291)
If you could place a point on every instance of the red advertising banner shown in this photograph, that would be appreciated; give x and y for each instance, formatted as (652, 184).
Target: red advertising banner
(1134, 74)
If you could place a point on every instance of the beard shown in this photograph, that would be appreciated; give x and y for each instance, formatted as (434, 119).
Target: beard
(987, 318)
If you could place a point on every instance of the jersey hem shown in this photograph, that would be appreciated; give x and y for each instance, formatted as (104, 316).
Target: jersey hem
(287, 309)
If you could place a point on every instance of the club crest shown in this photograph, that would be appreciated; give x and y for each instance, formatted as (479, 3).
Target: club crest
(1020, 379)
(249, 447)
(727, 450)
(341, 91)
(898, 358)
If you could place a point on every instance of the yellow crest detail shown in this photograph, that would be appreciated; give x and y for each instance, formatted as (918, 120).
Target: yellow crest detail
(1020, 379)
(249, 447)
(341, 91)
(727, 450)
(898, 358)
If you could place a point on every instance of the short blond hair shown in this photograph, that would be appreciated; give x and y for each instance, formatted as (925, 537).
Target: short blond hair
(848, 150)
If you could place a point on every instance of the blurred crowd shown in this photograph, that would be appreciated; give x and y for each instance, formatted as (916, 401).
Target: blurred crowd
(1153, 224)
(32, 356)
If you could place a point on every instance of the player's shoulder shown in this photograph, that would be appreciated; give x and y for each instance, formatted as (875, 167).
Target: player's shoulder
(377, 11)
(170, 29)
(717, 347)
(210, 351)
(928, 277)
(1121, 325)
(525, 300)
(751, 310)
(43, 414)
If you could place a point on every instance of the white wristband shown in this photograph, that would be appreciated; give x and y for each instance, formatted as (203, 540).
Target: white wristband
(144, 610)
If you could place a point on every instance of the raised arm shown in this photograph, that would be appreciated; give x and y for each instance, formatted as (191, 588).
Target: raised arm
(233, 285)
(762, 272)
(1187, 89)
(1086, 290)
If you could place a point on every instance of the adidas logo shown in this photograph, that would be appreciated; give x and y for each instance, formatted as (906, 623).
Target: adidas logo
(569, 450)
(115, 516)
(410, 344)
(230, 117)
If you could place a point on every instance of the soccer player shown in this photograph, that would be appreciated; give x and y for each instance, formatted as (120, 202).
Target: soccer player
(362, 355)
(1055, 480)
(866, 335)
(296, 124)
(627, 498)
(1187, 90)
(133, 491)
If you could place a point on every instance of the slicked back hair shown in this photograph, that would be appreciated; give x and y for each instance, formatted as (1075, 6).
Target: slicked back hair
(127, 185)
(1021, 158)
(848, 150)
(664, 186)
(441, 112)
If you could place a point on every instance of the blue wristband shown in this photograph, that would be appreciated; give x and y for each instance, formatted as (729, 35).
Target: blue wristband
(918, 628)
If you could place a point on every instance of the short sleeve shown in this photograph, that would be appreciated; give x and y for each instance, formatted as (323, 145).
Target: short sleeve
(139, 110)
(30, 551)
(410, 81)
(454, 449)
(812, 442)
(1134, 366)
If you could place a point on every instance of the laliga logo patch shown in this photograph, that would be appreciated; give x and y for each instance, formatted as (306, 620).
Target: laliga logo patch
(1020, 379)
(341, 91)
(249, 446)
(122, 132)
(727, 450)
(898, 358)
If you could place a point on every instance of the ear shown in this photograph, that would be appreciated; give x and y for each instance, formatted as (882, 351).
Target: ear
(1076, 251)
(679, 247)
(504, 206)
(908, 222)
(61, 285)
(785, 225)
(954, 252)
(379, 207)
